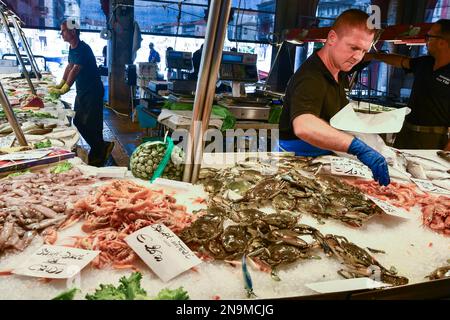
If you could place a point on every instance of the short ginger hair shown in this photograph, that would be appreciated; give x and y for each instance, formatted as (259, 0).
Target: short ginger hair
(352, 18)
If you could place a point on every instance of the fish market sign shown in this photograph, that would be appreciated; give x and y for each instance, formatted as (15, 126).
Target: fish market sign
(56, 262)
(349, 167)
(162, 251)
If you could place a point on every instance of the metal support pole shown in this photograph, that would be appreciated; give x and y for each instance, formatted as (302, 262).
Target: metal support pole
(16, 50)
(224, 11)
(27, 47)
(218, 10)
(12, 117)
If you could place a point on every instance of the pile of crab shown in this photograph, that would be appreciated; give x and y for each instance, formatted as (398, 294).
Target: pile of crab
(287, 185)
(273, 240)
(235, 225)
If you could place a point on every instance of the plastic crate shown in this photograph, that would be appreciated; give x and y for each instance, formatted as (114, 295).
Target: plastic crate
(145, 120)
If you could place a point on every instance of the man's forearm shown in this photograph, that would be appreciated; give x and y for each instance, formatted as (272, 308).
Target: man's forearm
(395, 60)
(67, 71)
(319, 133)
(73, 75)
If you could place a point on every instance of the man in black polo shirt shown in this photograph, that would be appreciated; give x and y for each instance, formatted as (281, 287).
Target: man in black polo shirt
(316, 92)
(426, 127)
(82, 69)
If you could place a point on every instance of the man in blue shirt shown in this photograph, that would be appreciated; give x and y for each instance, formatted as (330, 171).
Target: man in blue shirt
(154, 55)
(83, 70)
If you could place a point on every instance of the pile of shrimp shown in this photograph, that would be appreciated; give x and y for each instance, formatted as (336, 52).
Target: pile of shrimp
(119, 209)
(398, 194)
(436, 214)
(435, 210)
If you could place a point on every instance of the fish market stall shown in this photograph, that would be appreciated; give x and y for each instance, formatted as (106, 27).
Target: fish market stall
(282, 231)
(43, 119)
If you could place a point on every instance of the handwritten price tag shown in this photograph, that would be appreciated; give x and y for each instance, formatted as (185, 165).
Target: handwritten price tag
(390, 209)
(56, 262)
(428, 186)
(349, 167)
(162, 251)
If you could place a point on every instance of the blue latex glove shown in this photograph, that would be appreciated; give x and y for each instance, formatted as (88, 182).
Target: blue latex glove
(372, 159)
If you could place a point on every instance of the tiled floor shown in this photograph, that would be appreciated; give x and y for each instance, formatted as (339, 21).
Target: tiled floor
(125, 134)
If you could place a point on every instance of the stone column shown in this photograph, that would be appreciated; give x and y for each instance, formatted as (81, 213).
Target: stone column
(119, 54)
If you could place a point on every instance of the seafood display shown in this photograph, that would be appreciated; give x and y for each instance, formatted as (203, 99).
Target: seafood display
(440, 273)
(402, 195)
(118, 209)
(444, 155)
(289, 186)
(23, 116)
(35, 203)
(50, 124)
(435, 210)
(40, 116)
(359, 263)
(273, 240)
(426, 168)
(436, 213)
(255, 213)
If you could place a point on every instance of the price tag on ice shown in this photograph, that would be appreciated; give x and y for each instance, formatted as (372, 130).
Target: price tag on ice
(346, 285)
(56, 262)
(349, 167)
(390, 209)
(173, 184)
(428, 186)
(162, 251)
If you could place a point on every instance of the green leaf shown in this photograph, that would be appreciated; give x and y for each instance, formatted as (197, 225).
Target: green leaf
(106, 292)
(128, 289)
(62, 167)
(43, 144)
(131, 286)
(67, 295)
(168, 294)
